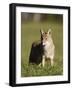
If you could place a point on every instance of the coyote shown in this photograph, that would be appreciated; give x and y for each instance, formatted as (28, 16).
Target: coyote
(43, 49)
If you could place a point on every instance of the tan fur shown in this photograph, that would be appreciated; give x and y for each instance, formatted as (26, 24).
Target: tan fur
(49, 48)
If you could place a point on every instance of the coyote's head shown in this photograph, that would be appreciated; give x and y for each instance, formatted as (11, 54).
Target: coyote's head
(45, 37)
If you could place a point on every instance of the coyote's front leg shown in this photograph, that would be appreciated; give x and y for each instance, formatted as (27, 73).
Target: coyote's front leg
(43, 60)
(52, 62)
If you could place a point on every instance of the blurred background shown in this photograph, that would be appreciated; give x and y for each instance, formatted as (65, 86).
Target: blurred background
(31, 23)
(38, 17)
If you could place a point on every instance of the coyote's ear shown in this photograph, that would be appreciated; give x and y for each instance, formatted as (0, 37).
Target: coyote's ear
(49, 31)
(41, 31)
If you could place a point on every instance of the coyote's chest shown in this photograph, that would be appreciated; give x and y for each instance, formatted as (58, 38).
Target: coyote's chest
(48, 50)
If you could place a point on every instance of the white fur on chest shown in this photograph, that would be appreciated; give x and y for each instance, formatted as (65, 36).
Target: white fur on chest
(49, 50)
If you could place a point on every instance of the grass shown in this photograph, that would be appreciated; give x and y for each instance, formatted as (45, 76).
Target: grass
(30, 32)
